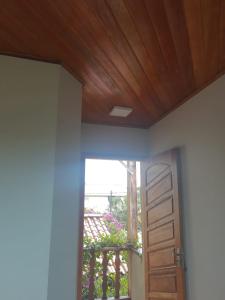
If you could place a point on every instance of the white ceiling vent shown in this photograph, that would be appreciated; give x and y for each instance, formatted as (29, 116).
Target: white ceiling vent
(120, 111)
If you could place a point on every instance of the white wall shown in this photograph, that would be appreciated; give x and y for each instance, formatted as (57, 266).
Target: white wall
(198, 129)
(28, 117)
(65, 219)
(35, 111)
(115, 142)
(40, 146)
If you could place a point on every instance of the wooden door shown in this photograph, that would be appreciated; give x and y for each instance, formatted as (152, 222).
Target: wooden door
(163, 251)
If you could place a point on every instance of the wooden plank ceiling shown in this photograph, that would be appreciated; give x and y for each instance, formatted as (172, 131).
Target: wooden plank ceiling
(150, 55)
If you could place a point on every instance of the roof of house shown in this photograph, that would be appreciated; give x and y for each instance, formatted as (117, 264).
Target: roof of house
(94, 226)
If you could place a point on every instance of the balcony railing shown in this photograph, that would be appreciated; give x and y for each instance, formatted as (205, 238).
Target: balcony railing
(106, 263)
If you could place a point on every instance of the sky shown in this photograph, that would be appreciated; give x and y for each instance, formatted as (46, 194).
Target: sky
(102, 178)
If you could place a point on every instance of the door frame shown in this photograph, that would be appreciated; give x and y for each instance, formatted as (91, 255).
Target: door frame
(85, 156)
(81, 229)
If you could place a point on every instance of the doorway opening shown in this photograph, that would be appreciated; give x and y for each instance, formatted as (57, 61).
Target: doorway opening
(112, 228)
(113, 266)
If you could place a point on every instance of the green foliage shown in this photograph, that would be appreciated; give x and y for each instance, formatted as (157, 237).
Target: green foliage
(118, 208)
(111, 286)
(116, 221)
(115, 239)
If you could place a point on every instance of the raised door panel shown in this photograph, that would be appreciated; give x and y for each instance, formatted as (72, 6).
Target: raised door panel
(164, 276)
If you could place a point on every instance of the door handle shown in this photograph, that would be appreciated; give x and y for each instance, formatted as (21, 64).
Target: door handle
(179, 257)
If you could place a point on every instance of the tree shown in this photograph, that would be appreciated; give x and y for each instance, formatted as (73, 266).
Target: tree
(118, 208)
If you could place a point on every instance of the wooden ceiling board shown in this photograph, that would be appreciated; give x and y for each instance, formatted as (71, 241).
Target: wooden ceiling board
(128, 27)
(152, 45)
(211, 27)
(145, 54)
(129, 66)
(101, 49)
(176, 21)
(158, 15)
(222, 36)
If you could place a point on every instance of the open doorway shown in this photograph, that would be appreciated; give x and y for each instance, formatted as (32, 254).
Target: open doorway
(112, 227)
(161, 274)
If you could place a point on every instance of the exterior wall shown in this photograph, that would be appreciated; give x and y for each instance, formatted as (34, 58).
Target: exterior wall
(114, 142)
(197, 128)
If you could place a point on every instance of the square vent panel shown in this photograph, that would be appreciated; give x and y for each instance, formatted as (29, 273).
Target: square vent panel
(120, 111)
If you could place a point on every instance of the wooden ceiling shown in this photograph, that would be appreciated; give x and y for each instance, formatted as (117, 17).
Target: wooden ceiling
(150, 55)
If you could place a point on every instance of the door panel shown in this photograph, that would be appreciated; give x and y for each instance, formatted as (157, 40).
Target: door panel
(161, 258)
(161, 234)
(163, 252)
(161, 210)
(159, 188)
